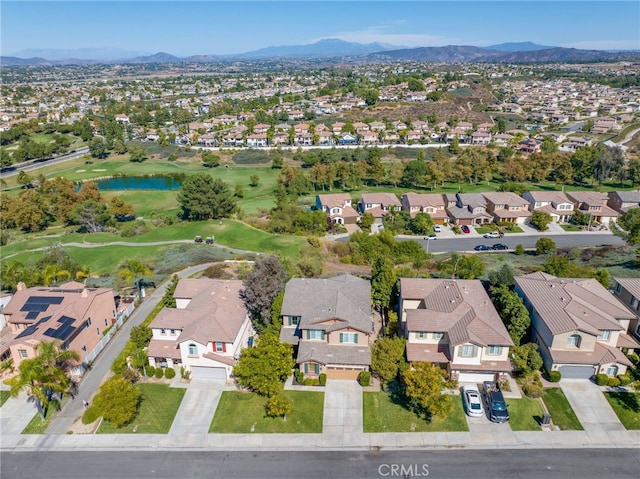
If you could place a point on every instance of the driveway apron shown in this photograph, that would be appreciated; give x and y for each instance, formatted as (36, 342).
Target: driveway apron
(197, 408)
(342, 407)
(590, 405)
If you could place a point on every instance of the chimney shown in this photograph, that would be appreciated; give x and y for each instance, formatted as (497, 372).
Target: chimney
(21, 286)
(85, 293)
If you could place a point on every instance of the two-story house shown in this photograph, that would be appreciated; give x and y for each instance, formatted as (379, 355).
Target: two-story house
(594, 204)
(338, 207)
(329, 322)
(430, 203)
(206, 331)
(379, 204)
(469, 209)
(71, 314)
(622, 201)
(556, 203)
(453, 323)
(507, 207)
(577, 324)
(627, 290)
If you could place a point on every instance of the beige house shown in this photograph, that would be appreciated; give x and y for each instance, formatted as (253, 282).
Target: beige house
(622, 201)
(329, 322)
(627, 290)
(578, 325)
(453, 323)
(338, 207)
(430, 203)
(594, 203)
(206, 331)
(556, 203)
(379, 204)
(507, 207)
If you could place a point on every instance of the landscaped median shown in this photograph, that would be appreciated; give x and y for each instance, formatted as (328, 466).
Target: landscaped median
(244, 413)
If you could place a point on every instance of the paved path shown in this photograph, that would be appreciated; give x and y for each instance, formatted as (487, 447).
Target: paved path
(101, 367)
(342, 408)
(197, 408)
(15, 414)
(590, 405)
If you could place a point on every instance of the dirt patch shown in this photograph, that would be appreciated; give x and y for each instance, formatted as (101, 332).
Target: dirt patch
(78, 428)
(99, 169)
(80, 171)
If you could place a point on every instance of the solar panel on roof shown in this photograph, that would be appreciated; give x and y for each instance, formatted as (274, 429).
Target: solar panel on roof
(64, 330)
(40, 303)
(32, 315)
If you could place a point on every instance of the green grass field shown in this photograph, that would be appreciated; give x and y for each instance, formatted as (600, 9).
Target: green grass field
(627, 408)
(244, 413)
(560, 410)
(4, 395)
(525, 414)
(382, 414)
(158, 407)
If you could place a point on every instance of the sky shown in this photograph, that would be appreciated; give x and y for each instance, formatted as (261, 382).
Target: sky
(184, 28)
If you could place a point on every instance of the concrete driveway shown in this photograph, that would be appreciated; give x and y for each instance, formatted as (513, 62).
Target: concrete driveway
(197, 408)
(342, 407)
(590, 405)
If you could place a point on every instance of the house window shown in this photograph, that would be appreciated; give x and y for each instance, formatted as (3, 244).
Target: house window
(173, 332)
(604, 335)
(163, 331)
(612, 370)
(315, 334)
(193, 349)
(468, 351)
(421, 335)
(573, 341)
(349, 338)
(618, 288)
(494, 350)
(438, 336)
(105, 322)
(23, 353)
(312, 368)
(294, 320)
(98, 331)
(634, 301)
(219, 347)
(88, 322)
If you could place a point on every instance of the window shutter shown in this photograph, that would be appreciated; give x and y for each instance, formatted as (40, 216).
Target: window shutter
(356, 336)
(323, 334)
(306, 367)
(224, 347)
(308, 334)
(460, 351)
(317, 368)
(342, 337)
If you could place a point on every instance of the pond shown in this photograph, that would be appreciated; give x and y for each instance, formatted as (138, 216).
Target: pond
(139, 183)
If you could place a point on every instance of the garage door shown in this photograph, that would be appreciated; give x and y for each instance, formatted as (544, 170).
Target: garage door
(475, 377)
(576, 372)
(342, 373)
(201, 372)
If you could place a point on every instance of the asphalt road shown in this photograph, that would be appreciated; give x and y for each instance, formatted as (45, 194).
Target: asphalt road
(569, 240)
(30, 165)
(458, 464)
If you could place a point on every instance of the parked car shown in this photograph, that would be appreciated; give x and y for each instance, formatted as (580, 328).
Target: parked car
(472, 400)
(465, 229)
(482, 247)
(431, 237)
(496, 404)
(492, 234)
(499, 246)
(437, 228)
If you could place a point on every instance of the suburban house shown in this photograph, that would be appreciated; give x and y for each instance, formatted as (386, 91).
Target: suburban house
(71, 313)
(556, 203)
(622, 201)
(430, 203)
(469, 209)
(329, 322)
(453, 323)
(338, 207)
(205, 332)
(594, 203)
(577, 324)
(507, 207)
(379, 204)
(627, 290)
(257, 140)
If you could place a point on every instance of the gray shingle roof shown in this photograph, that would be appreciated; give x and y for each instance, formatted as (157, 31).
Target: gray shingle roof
(324, 353)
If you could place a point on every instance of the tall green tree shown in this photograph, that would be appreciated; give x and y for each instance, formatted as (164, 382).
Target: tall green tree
(383, 279)
(423, 386)
(201, 197)
(387, 357)
(117, 401)
(512, 311)
(263, 284)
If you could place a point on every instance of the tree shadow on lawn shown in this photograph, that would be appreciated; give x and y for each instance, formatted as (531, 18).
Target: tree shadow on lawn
(627, 400)
(398, 396)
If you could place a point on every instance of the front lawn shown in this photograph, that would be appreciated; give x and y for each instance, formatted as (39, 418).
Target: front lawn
(159, 404)
(4, 395)
(37, 425)
(382, 414)
(570, 227)
(627, 407)
(561, 413)
(244, 413)
(525, 414)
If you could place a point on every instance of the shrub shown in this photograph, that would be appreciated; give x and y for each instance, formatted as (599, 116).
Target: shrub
(602, 379)
(91, 414)
(364, 378)
(519, 250)
(613, 382)
(278, 406)
(299, 376)
(185, 374)
(554, 376)
(532, 387)
(311, 381)
(322, 379)
(314, 241)
(634, 358)
(130, 374)
(624, 379)
(170, 373)
(159, 373)
(151, 371)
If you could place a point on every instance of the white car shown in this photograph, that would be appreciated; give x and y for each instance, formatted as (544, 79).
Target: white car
(472, 400)
(493, 234)
(437, 228)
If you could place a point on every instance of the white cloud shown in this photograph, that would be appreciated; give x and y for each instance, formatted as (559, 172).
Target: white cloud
(604, 45)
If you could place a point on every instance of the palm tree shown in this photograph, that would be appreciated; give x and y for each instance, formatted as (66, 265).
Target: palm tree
(45, 377)
(133, 268)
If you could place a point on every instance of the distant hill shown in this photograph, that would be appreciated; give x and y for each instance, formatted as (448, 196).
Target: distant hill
(331, 47)
(518, 47)
(95, 54)
(160, 57)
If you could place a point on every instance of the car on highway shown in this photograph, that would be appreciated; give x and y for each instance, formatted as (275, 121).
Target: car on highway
(472, 400)
(465, 229)
(492, 234)
(437, 228)
(499, 246)
(482, 247)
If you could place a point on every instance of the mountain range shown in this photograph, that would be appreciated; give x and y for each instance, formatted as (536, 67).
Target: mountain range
(522, 52)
